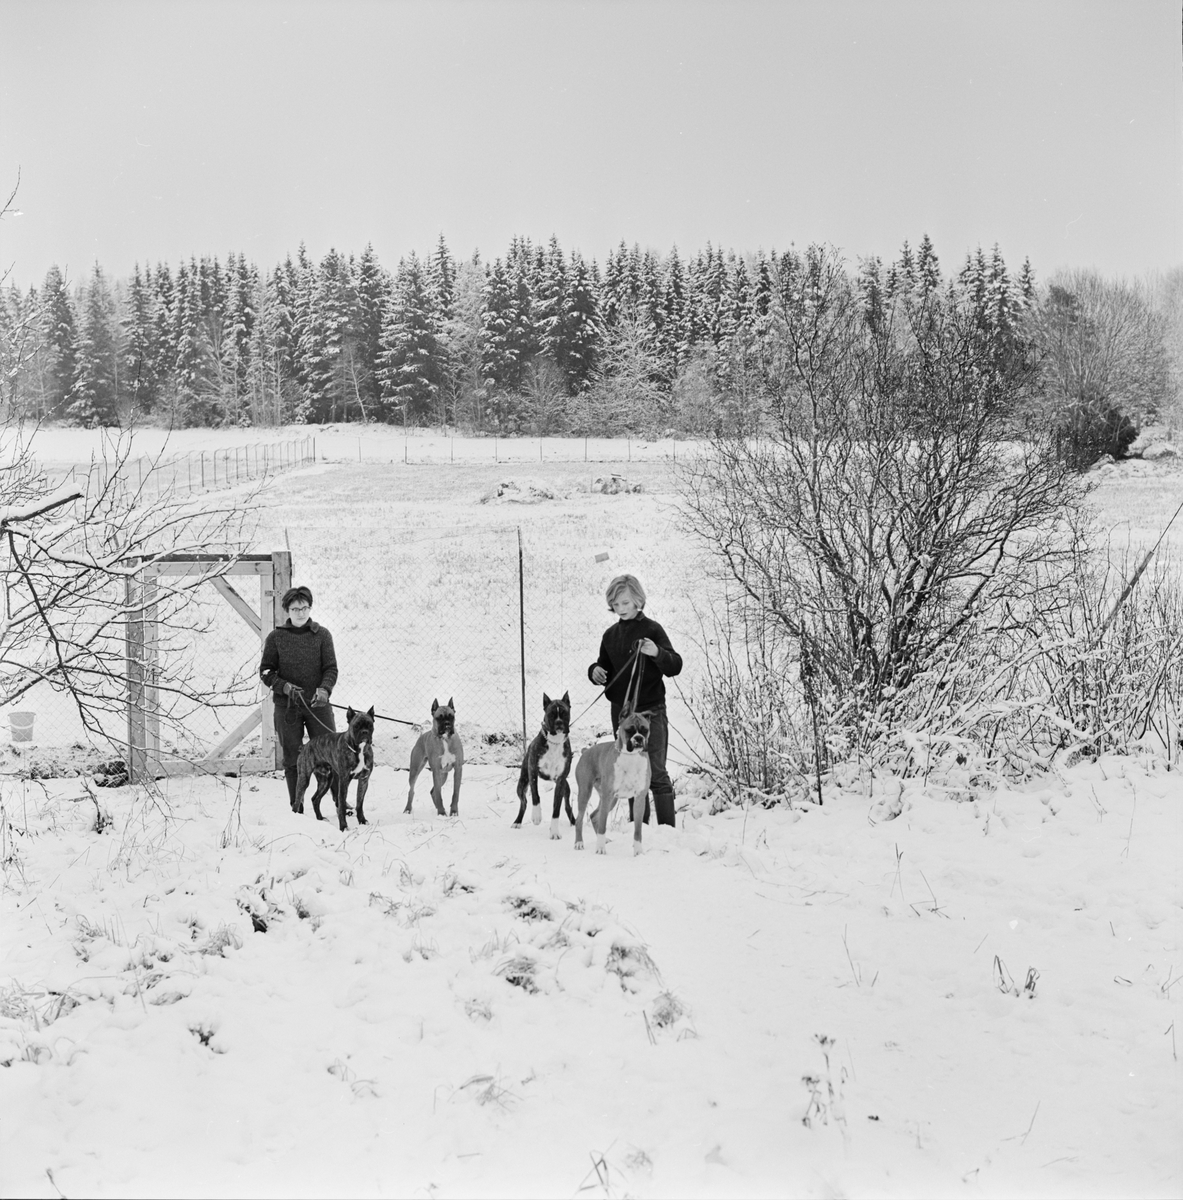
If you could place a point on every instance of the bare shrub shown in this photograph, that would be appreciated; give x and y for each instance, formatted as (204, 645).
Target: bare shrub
(900, 505)
(74, 552)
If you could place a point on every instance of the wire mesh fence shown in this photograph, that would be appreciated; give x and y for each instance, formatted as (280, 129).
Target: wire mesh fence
(199, 470)
(47, 716)
(441, 448)
(432, 609)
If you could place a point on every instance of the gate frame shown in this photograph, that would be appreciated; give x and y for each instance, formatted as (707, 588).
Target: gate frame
(146, 760)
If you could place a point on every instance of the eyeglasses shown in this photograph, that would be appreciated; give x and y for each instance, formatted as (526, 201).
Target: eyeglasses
(299, 608)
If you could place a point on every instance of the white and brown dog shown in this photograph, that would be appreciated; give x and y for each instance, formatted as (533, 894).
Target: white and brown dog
(616, 770)
(441, 748)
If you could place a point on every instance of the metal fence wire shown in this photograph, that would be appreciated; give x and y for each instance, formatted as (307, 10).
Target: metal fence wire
(471, 614)
(44, 730)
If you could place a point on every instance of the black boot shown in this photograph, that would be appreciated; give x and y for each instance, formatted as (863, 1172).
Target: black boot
(290, 774)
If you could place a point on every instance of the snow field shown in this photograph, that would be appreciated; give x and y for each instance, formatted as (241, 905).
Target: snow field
(452, 1007)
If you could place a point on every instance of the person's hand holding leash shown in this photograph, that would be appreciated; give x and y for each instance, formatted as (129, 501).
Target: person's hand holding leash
(599, 676)
(292, 692)
(648, 646)
(320, 698)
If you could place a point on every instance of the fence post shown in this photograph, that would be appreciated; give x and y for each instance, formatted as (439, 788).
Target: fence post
(630, 449)
(203, 470)
(281, 580)
(134, 638)
(522, 633)
(151, 640)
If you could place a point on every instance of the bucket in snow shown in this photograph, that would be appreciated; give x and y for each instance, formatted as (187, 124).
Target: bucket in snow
(21, 724)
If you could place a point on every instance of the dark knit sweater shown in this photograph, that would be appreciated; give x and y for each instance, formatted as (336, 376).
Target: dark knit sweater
(302, 655)
(617, 645)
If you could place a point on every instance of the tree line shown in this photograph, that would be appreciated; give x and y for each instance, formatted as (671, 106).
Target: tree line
(539, 340)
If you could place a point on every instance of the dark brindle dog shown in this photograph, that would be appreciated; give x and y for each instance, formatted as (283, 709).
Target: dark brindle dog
(548, 757)
(335, 759)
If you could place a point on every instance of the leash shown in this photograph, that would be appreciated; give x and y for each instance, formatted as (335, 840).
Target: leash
(379, 716)
(630, 664)
(343, 708)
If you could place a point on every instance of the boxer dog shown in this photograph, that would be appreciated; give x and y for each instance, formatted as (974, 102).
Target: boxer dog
(548, 757)
(615, 769)
(440, 748)
(335, 759)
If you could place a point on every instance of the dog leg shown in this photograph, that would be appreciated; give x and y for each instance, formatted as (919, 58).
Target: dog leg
(322, 785)
(535, 800)
(301, 788)
(600, 824)
(456, 772)
(437, 790)
(416, 766)
(638, 821)
(584, 797)
(566, 785)
(363, 782)
(342, 798)
(523, 783)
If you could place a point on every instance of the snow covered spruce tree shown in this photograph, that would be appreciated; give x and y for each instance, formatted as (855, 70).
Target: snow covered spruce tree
(901, 505)
(72, 553)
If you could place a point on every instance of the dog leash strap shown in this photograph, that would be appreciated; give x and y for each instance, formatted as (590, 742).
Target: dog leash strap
(380, 717)
(632, 659)
(308, 708)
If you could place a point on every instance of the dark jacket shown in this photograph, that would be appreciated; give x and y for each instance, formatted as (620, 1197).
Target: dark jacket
(302, 655)
(615, 648)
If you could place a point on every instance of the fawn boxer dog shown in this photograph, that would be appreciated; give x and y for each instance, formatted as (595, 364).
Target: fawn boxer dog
(615, 769)
(548, 757)
(335, 759)
(440, 748)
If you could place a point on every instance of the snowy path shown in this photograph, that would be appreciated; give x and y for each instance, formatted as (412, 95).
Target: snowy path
(456, 1008)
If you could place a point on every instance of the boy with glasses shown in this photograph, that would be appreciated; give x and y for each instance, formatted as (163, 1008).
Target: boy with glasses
(300, 667)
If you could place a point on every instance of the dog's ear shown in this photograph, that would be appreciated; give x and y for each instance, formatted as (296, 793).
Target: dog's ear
(626, 710)
(434, 705)
(567, 699)
(349, 715)
(545, 702)
(370, 712)
(451, 702)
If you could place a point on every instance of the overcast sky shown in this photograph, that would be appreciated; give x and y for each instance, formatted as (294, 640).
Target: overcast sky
(160, 130)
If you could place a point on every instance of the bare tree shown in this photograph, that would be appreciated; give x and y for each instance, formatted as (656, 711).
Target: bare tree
(74, 551)
(1105, 347)
(899, 492)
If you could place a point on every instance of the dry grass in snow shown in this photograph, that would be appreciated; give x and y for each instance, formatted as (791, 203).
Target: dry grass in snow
(212, 996)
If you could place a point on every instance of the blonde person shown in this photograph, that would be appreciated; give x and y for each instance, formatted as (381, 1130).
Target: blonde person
(634, 630)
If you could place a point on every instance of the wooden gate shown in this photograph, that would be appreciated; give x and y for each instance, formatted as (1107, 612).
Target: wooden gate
(146, 760)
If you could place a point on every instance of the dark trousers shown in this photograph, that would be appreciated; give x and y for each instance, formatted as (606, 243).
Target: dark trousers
(291, 720)
(661, 787)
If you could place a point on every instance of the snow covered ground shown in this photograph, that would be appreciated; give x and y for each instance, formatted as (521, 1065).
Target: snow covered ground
(909, 991)
(212, 996)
